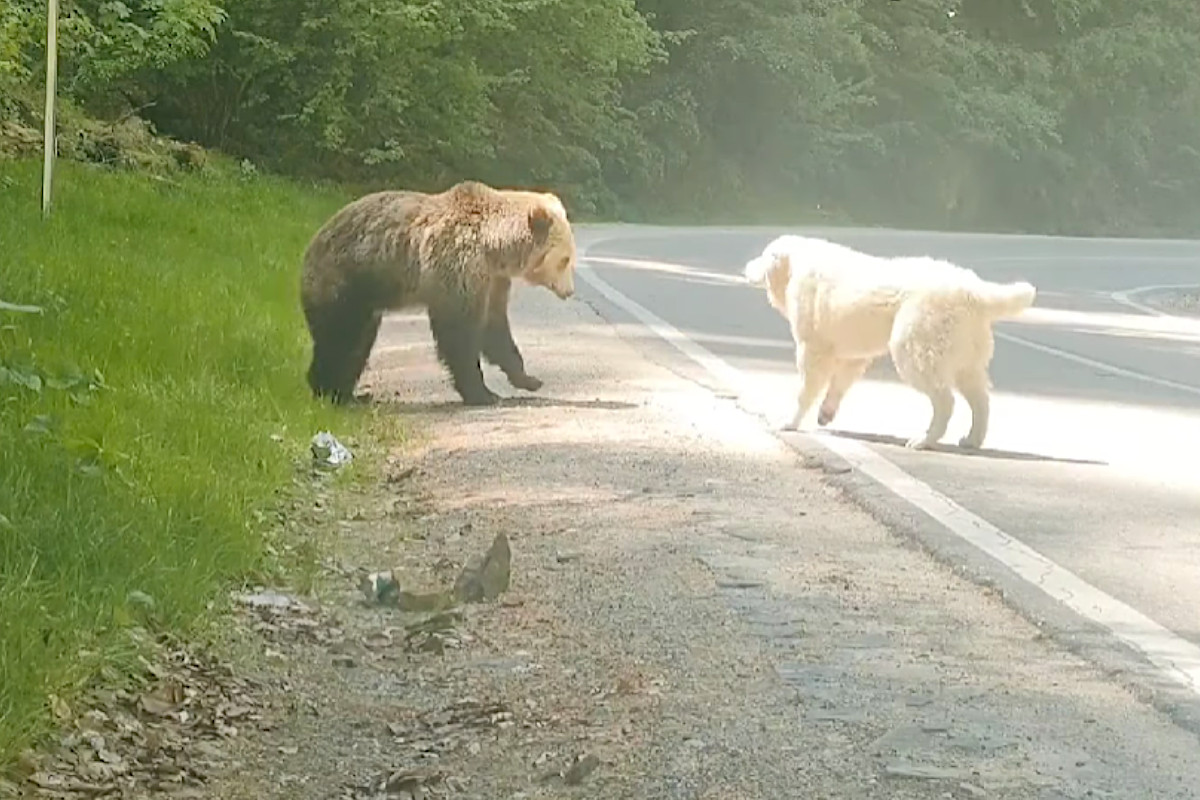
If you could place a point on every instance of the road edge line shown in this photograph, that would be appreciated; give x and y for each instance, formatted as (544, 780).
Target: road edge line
(1125, 297)
(1103, 366)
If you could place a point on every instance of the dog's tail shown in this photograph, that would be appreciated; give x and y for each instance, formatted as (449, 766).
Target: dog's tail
(1006, 299)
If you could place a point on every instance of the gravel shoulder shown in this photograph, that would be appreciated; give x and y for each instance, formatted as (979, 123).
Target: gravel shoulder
(692, 612)
(1175, 301)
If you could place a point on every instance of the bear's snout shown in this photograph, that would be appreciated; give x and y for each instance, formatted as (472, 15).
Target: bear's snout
(563, 284)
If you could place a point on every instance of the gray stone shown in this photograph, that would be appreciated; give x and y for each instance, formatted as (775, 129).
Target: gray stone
(926, 772)
(485, 577)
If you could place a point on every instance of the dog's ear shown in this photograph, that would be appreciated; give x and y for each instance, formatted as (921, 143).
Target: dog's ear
(768, 267)
(757, 268)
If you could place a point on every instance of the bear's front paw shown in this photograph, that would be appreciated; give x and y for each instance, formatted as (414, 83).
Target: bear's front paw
(485, 397)
(526, 382)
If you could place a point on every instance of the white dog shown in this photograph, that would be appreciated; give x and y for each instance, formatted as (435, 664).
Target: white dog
(846, 308)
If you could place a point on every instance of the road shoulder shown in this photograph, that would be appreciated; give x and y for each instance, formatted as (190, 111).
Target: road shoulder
(693, 611)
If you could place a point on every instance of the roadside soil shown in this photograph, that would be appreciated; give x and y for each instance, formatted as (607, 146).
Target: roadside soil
(691, 612)
(1176, 301)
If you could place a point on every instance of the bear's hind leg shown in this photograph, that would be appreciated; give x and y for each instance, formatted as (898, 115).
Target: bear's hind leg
(498, 344)
(458, 336)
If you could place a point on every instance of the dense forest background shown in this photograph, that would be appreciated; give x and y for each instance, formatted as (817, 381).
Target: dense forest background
(1061, 116)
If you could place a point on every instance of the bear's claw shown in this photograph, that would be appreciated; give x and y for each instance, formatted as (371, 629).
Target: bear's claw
(526, 382)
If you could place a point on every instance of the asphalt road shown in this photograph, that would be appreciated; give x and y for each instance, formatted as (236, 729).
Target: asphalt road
(1093, 453)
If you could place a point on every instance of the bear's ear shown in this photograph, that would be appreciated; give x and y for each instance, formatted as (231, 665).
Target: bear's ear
(540, 220)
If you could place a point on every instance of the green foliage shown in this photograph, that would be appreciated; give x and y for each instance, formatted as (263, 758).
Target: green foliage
(152, 400)
(762, 98)
(104, 45)
(412, 91)
(17, 18)
(1063, 115)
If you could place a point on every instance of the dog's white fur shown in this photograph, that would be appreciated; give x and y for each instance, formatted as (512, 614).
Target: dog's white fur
(846, 308)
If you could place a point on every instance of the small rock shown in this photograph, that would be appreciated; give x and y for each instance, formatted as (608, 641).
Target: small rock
(163, 699)
(344, 661)
(486, 577)
(28, 762)
(432, 633)
(380, 588)
(93, 720)
(920, 772)
(739, 583)
(410, 783)
(208, 750)
(269, 600)
(580, 770)
(973, 790)
(424, 601)
(378, 640)
(566, 556)
(400, 475)
(140, 600)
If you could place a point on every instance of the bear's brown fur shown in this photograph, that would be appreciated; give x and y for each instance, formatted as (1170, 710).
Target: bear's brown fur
(454, 253)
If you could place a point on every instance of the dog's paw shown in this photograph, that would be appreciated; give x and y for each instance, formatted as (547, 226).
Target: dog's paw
(969, 442)
(919, 443)
(825, 416)
(785, 424)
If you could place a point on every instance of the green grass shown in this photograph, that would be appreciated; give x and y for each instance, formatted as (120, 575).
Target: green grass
(148, 417)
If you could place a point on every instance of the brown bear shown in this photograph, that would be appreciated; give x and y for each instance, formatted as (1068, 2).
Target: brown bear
(454, 253)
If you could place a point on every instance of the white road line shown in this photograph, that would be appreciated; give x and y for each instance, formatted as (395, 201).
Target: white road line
(670, 269)
(1166, 383)
(1120, 259)
(1177, 658)
(1125, 298)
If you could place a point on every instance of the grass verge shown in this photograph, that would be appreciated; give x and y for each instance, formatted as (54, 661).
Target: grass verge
(150, 415)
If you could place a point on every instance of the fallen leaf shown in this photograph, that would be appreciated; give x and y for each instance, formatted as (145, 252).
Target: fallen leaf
(579, 771)
(163, 699)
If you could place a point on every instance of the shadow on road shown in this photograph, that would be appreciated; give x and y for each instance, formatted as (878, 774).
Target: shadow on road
(456, 406)
(1008, 455)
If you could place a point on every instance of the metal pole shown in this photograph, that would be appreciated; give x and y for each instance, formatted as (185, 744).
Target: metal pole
(51, 91)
